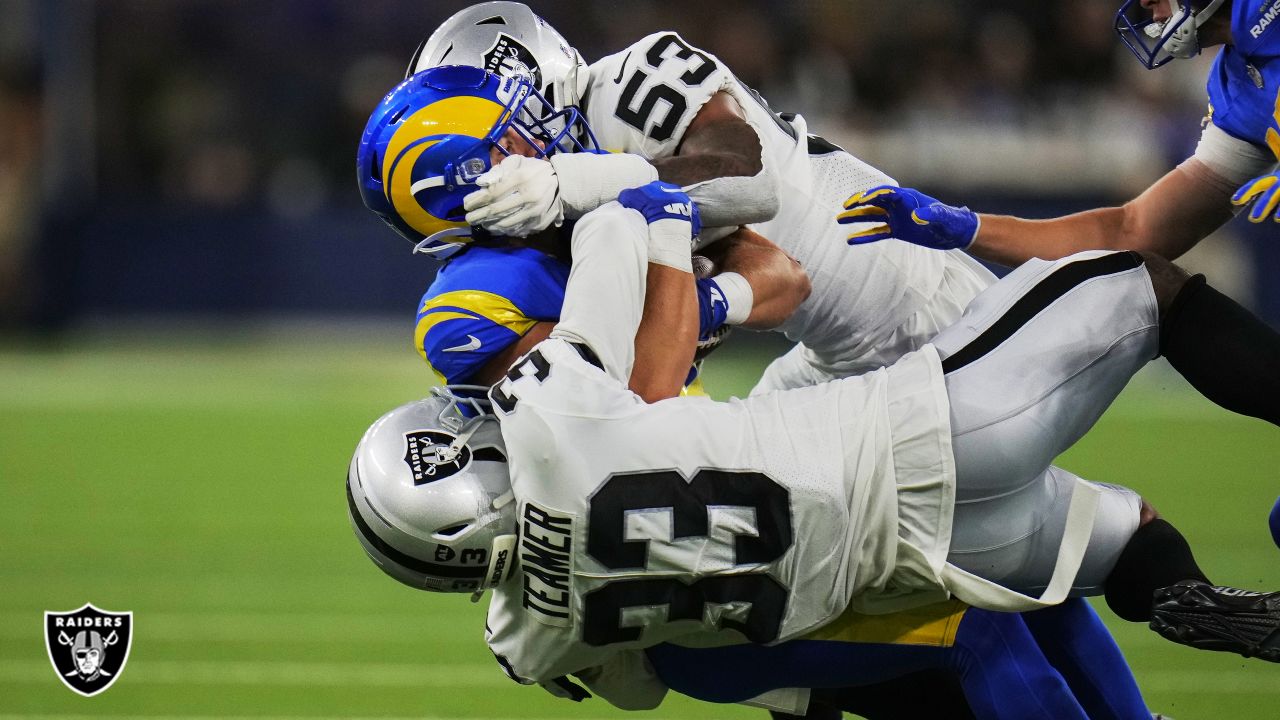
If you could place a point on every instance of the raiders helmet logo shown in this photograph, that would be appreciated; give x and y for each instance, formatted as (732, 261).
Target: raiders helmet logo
(88, 647)
(509, 58)
(431, 456)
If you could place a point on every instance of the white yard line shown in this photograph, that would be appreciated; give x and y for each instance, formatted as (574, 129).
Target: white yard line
(265, 717)
(219, 626)
(239, 672)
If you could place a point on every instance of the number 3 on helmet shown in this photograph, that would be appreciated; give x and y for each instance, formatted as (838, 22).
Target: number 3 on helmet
(435, 133)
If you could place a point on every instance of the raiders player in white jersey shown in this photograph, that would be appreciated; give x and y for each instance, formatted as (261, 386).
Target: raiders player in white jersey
(685, 118)
(625, 524)
(673, 112)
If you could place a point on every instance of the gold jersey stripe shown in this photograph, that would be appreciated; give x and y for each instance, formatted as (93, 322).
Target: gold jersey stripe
(494, 308)
(931, 625)
(475, 305)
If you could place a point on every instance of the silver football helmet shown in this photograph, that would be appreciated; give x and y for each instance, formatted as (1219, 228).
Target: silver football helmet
(429, 495)
(507, 38)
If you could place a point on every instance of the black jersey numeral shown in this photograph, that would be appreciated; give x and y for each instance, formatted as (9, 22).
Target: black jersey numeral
(531, 365)
(639, 112)
(690, 503)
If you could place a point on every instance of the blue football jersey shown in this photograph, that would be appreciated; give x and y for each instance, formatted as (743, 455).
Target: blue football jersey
(1244, 84)
(487, 298)
(483, 301)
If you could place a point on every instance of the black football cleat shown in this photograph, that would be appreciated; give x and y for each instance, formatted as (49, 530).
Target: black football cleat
(1219, 618)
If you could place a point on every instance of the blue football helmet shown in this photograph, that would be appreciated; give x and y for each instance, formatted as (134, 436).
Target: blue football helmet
(436, 132)
(1156, 43)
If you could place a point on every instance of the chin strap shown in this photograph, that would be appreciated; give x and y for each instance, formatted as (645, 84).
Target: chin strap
(1185, 40)
(502, 555)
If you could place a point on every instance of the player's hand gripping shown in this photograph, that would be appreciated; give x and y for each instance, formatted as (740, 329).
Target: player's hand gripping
(668, 210)
(517, 197)
(888, 211)
(1264, 192)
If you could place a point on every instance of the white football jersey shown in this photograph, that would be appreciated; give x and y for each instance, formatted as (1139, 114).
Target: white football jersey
(642, 99)
(697, 521)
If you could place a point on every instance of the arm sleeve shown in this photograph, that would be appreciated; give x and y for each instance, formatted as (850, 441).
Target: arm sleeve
(604, 298)
(1231, 158)
(737, 200)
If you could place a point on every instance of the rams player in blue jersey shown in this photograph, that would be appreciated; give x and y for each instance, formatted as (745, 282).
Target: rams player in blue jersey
(491, 303)
(1233, 169)
(495, 297)
(1233, 165)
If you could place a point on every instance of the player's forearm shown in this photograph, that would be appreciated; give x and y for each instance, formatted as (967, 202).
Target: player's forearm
(667, 336)
(1011, 241)
(1168, 218)
(778, 283)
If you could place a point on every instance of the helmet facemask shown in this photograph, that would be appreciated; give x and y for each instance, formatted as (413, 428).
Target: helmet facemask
(424, 148)
(1156, 43)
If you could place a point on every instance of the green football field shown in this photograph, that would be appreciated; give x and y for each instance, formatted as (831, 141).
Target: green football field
(200, 486)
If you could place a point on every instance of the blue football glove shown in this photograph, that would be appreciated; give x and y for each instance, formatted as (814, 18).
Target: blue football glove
(712, 308)
(1264, 192)
(888, 212)
(660, 201)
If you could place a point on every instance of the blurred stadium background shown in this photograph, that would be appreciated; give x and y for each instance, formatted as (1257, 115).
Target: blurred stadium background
(198, 319)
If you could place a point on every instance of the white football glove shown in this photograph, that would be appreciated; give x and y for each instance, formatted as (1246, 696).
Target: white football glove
(517, 197)
(521, 195)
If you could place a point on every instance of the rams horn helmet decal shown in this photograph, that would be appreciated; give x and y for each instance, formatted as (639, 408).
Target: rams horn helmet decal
(435, 133)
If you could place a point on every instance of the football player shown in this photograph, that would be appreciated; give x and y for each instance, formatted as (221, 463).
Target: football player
(686, 518)
(667, 110)
(495, 297)
(499, 45)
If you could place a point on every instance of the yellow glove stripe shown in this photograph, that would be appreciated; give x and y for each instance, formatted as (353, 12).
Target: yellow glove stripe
(916, 219)
(863, 197)
(873, 230)
(1256, 188)
(863, 211)
(1269, 208)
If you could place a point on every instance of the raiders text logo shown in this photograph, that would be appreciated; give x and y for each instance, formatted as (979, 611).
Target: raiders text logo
(88, 647)
(509, 58)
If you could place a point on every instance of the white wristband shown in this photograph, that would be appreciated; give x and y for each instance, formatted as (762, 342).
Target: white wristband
(669, 244)
(589, 180)
(738, 295)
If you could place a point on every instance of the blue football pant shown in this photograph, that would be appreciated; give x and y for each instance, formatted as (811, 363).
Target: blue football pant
(998, 657)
